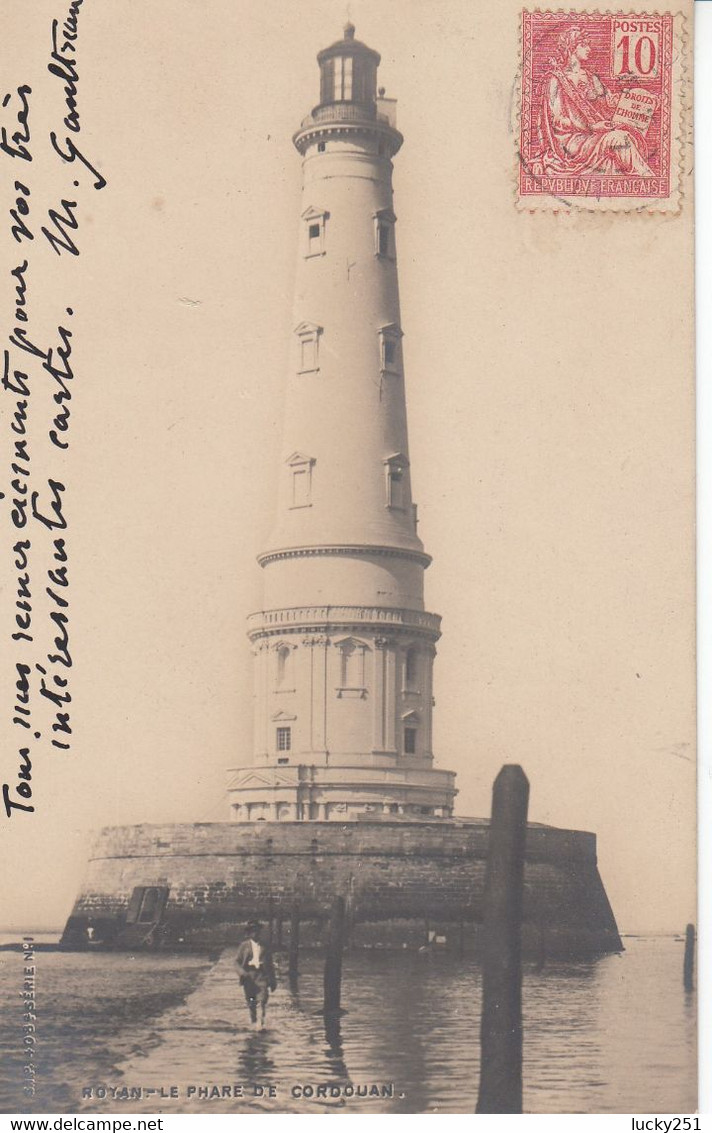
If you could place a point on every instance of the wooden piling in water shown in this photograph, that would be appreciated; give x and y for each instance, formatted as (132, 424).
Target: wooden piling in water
(332, 962)
(688, 970)
(501, 1025)
(294, 943)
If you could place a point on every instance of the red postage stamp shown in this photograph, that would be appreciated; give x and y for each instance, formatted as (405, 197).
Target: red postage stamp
(600, 109)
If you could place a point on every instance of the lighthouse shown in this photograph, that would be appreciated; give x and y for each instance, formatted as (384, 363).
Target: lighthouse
(343, 647)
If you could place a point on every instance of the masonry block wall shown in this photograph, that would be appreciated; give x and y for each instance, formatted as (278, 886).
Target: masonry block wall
(400, 881)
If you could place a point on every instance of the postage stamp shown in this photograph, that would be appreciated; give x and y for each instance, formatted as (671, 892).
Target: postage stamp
(601, 110)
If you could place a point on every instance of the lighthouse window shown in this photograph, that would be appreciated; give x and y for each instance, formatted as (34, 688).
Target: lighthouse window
(390, 352)
(314, 231)
(284, 739)
(411, 669)
(384, 220)
(327, 81)
(284, 667)
(301, 487)
(300, 470)
(308, 352)
(409, 740)
(308, 358)
(314, 239)
(353, 665)
(343, 78)
(395, 484)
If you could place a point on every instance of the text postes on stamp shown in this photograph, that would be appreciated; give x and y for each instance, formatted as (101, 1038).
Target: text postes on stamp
(600, 110)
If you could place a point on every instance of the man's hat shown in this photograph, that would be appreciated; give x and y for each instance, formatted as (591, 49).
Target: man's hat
(253, 926)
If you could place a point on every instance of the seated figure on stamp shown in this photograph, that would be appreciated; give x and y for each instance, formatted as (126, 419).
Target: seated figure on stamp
(576, 131)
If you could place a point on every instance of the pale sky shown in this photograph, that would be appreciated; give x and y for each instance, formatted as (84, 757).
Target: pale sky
(549, 381)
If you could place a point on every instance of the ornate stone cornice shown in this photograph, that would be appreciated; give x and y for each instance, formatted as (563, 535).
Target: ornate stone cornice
(344, 549)
(314, 620)
(314, 130)
(318, 640)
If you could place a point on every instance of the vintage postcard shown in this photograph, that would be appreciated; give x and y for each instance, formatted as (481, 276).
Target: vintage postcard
(347, 663)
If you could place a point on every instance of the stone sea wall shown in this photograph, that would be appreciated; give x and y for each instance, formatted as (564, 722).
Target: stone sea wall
(195, 885)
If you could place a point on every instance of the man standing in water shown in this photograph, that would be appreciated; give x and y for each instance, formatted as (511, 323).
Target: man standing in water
(256, 972)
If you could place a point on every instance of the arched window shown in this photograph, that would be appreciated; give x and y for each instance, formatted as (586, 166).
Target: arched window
(384, 221)
(352, 665)
(396, 472)
(308, 358)
(301, 469)
(315, 219)
(410, 670)
(410, 733)
(390, 349)
(284, 667)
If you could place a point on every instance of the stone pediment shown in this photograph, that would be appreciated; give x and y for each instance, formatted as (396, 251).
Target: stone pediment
(282, 715)
(350, 643)
(306, 328)
(314, 213)
(255, 780)
(300, 458)
(398, 458)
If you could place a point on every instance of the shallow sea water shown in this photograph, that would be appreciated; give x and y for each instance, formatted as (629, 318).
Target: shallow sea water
(612, 1035)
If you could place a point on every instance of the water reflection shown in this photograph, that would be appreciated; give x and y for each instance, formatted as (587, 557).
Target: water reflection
(255, 1063)
(334, 1049)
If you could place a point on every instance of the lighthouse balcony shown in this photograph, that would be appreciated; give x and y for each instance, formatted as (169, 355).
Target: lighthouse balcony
(265, 622)
(346, 112)
(351, 117)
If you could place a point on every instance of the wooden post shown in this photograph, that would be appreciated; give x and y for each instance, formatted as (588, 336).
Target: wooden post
(294, 943)
(270, 918)
(501, 1026)
(689, 964)
(332, 963)
(541, 945)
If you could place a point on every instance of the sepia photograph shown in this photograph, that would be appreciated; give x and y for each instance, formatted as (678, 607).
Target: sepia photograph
(347, 741)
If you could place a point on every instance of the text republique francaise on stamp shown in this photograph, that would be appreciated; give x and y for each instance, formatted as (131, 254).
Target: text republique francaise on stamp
(601, 105)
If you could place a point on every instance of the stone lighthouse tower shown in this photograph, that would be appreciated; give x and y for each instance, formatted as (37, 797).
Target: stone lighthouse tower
(343, 647)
